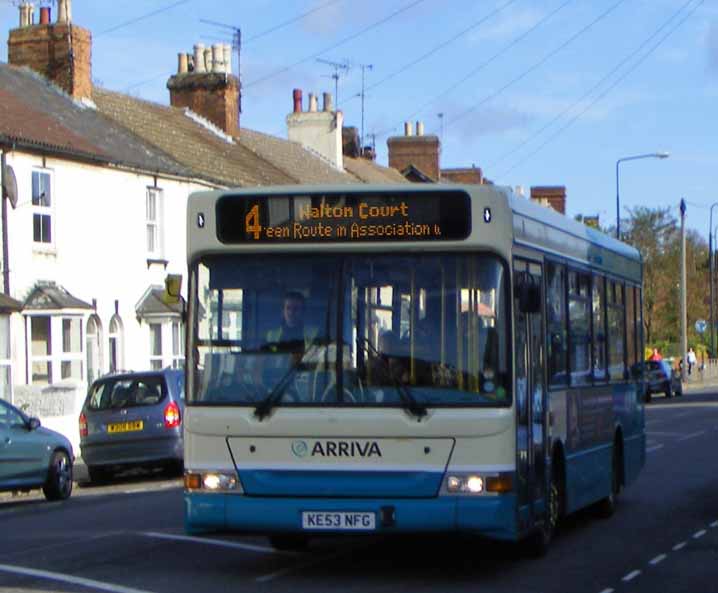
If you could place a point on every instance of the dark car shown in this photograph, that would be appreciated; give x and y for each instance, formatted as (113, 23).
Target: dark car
(133, 419)
(32, 456)
(660, 377)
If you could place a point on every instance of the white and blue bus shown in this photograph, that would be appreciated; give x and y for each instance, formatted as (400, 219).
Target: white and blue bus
(392, 359)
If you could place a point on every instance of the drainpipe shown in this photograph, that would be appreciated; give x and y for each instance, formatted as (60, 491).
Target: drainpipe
(5, 248)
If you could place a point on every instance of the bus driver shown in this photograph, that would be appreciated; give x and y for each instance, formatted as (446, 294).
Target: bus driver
(292, 335)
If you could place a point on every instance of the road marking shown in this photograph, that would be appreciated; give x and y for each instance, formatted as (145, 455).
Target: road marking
(218, 542)
(665, 434)
(692, 435)
(630, 576)
(658, 559)
(679, 546)
(699, 534)
(67, 578)
(654, 448)
(714, 524)
(607, 591)
(301, 566)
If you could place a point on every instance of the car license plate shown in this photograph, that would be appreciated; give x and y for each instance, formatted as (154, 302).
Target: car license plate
(331, 520)
(125, 426)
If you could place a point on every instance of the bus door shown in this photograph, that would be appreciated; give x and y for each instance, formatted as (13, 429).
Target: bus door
(530, 392)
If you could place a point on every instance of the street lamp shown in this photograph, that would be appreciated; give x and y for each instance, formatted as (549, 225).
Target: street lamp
(711, 263)
(652, 155)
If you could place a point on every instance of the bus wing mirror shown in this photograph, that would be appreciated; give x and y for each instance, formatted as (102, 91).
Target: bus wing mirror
(173, 289)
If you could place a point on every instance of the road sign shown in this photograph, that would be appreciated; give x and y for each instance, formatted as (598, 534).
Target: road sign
(701, 325)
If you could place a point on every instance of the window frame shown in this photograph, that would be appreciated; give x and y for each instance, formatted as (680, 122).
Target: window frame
(57, 354)
(154, 223)
(41, 211)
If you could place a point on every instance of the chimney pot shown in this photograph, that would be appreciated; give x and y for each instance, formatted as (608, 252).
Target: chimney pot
(199, 58)
(408, 128)
(44, 15)
(23, 15)
(227, 49)
(328, 102)
(420, 128)
(64, 11)
(297, 98)
(182, 67)
(217, 58)
(312, 103)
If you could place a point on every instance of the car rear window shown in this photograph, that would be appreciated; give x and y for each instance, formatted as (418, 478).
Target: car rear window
(126, 393)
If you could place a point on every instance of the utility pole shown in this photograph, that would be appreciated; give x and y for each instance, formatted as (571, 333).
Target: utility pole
(684, 337)
(345, 65)
(710, 269)
(363, 67)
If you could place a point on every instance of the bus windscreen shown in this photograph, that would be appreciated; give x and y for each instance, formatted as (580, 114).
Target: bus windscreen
(329, 218)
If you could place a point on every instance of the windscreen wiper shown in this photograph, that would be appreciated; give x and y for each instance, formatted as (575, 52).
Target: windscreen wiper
(263, 408)
(407, 397)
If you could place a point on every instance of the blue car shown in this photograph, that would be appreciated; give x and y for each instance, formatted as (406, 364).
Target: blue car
(133, 419)
(32, 456)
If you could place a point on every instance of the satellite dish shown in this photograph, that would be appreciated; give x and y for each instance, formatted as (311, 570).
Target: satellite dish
(9, 183)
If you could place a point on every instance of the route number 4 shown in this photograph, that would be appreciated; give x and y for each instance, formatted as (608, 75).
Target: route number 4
(251, 223)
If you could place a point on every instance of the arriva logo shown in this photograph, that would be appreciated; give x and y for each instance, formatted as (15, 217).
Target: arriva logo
(337, 449)
(299, 448)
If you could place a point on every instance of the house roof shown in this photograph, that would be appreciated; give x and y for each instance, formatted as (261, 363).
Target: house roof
(35, 114)
(370, 172)
(9, 304)
(250, 160)
(152, 303)
(123, 130)
(51, 296)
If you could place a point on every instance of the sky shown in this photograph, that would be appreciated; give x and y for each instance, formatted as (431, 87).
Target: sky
(535, 92)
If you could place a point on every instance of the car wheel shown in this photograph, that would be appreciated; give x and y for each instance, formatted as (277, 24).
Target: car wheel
(668, 391)
(648, 397)
(289, 543)
(59, 477)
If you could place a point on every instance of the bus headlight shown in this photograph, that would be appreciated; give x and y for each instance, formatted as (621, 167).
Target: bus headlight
(212, 481)
(470, 483)
(465, 484)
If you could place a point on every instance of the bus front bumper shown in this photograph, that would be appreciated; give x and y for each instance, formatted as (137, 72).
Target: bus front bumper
(490, 516)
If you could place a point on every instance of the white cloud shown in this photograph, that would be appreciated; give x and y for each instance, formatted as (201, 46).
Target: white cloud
(507, 25)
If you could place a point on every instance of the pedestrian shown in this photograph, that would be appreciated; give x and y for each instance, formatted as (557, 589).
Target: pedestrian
(655, 355)
(691, 358)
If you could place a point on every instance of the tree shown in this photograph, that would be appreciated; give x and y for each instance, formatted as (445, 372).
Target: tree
(656, 234)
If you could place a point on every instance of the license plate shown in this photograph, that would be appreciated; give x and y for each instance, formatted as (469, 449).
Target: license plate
(125, 426)
(344, 521)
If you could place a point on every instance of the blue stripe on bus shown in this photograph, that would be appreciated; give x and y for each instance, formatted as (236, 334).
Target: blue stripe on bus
(588, 476)
(490, 516)
(413, 484)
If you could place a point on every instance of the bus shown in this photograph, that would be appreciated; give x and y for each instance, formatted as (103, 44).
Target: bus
(393, 359)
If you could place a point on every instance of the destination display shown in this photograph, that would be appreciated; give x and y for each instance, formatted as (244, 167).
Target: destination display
(324, 218)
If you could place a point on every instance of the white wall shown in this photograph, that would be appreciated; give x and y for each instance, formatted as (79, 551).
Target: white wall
(99, 251)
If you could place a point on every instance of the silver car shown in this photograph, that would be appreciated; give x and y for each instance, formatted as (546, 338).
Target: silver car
(32, 456)
(133, 419)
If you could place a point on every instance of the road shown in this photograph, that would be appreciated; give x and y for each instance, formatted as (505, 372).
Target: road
(127, 537)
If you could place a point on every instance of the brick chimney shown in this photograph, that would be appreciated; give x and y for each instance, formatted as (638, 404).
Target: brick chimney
(553, 196)
(61, 52)
(418, 150)
(205, 84)
(319, 131)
